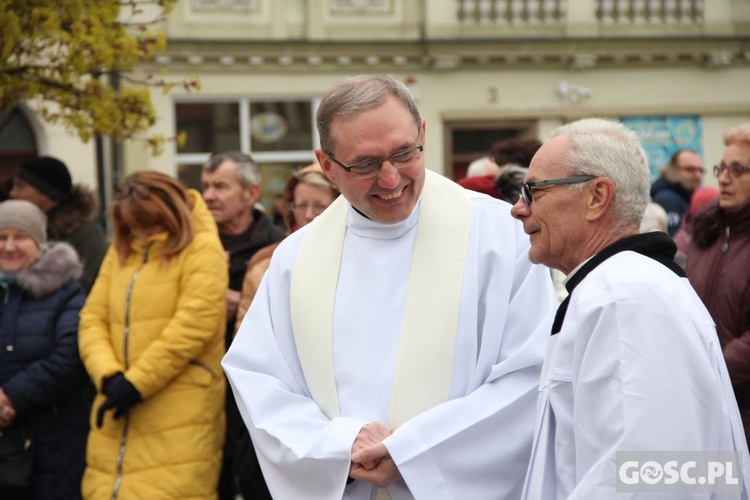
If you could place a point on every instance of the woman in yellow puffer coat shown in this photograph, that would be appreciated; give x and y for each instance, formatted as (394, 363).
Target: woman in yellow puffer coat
(152, 337)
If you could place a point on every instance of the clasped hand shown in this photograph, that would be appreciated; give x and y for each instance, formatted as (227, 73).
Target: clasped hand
(371, 461)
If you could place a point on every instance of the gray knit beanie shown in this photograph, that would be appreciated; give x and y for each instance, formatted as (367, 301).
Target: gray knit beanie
(26, 217)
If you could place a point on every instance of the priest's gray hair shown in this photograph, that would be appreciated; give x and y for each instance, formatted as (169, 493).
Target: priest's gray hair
(606, 148)
(247, 170)
(356, 94)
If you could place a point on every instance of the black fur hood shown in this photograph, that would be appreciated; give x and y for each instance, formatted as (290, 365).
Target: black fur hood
(64, 219)
(58, 264)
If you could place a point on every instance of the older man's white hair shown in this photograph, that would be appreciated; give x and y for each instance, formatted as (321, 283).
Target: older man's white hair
(482, 166)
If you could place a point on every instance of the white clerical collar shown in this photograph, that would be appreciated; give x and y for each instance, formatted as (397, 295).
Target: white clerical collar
(368, 228)
(423, 372)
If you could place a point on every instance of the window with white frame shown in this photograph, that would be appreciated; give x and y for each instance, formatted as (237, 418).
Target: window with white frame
(279, 134)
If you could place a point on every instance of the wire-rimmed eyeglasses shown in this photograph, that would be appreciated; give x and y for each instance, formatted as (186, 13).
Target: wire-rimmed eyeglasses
(735, 169)
(317, 208)
(370, 168)
(526, 194)
(132, 189)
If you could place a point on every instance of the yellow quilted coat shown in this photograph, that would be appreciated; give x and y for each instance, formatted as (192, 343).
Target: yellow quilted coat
(162, 325)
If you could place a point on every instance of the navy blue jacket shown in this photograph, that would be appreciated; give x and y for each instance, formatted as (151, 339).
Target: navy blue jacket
(40, 370)
(674, 199)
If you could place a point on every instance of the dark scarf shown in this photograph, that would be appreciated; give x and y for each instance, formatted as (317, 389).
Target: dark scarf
(656, 245)
(6, 280)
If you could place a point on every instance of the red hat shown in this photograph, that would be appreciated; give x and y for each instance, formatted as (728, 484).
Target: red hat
(481, 184)
(702, 197)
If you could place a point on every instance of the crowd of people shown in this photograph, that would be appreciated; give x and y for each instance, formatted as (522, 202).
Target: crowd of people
(389, 333)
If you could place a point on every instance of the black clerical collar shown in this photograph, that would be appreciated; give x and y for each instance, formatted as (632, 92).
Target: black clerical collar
(656, 245)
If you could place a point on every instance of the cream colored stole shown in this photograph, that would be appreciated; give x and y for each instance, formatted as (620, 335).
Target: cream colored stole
(424, 361)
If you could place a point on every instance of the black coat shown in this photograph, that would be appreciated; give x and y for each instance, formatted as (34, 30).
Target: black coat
(40, 370)
(72, 222)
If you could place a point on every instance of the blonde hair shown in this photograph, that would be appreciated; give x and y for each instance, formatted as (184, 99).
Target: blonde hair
(147, 199)
(311, 174)
(737, 134)
(654, 218)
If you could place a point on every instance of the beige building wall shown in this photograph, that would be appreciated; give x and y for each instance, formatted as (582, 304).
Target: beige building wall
(55, 140)
(719, 96)
(469, 61)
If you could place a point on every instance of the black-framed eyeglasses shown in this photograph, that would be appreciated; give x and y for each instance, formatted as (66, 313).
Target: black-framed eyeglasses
(735, 169)
(370, 168)
(527, 197)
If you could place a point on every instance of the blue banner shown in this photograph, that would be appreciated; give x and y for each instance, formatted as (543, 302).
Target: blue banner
(661, 136)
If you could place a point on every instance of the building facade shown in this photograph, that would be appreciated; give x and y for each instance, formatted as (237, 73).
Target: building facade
(677, 71)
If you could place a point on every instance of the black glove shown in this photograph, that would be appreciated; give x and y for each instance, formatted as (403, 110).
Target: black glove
(107, 382)
(121, 395)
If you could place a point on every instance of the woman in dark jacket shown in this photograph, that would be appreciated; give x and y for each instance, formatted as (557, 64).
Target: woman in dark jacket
(718, 261)
(42, 380)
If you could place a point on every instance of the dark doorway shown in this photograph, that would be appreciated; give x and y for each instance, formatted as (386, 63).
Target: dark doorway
(465, 141)
(17, 144)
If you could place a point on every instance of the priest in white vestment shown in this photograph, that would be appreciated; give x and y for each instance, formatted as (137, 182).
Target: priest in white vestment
(394, 347)
(634, 385)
